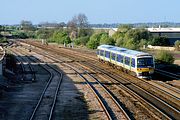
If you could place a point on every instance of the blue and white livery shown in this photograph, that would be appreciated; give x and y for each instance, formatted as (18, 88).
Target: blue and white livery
(139, 63)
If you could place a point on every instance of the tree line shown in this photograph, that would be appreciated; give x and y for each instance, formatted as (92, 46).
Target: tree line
(79, 31)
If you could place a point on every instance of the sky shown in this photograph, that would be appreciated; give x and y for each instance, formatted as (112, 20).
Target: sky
(97, 11)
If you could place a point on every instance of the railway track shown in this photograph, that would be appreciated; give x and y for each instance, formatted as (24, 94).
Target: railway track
(28, 73)
(174, 89)
(169, 112)
(137, 93)
(153, 102)
(161, 106)
(140, 80)
(107, 101)
(46, 104)
(168, 74)
(120, 112)
(93, 58)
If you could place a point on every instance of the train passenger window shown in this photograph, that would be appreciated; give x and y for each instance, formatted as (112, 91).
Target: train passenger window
(120, 58)
(107, 54)
(97, 52)
(127, 60)
(113, 56)
(101, 52)
(133, 62)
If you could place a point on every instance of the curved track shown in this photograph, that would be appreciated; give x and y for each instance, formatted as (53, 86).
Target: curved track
(46, 103)
(103, 100)
(28, 73)
(165, 109)
(119, 113)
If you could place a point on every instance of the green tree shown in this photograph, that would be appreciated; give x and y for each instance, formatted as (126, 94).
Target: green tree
(94, 41)
(1, 28)
(130, 44)
(142, 43)
(82, 40)
(3, 40)
(165, 57)
(160, 41)
(138, 34)
(120, 42)
(118, 35)
(19, 34)
(44, 33)
(105, 39)
(177, 44)
(124, 28)
(61, 37)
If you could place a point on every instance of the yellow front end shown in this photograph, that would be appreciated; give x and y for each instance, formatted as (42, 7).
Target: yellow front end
(144, 72)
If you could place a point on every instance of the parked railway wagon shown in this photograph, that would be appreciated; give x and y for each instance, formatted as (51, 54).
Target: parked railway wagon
(138, 63)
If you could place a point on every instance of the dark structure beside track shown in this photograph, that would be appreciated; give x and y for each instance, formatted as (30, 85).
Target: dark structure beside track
(172, 34)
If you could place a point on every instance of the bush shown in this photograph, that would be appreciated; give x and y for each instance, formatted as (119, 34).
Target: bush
(94, 41)
(130, 44)
(21, 35)
(3, 40)
(61, 37)
(160, 41)
(165, 57)
(81, 40)
(105, 39)
(177, 44)
(120, 42)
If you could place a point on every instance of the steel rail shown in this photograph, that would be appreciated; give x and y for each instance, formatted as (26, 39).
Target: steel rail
(29, 65)
(112, 96)
(170, 111)
(56, 59)
(47, 85)
(105, 108)
(168, 74)
(174, 89)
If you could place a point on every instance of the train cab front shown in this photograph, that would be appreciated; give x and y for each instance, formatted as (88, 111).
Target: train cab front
(145, 67)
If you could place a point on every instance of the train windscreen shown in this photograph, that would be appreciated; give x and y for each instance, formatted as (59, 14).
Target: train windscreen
(145, 62)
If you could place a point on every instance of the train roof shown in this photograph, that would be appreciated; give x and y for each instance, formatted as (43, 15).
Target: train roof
(123, 50)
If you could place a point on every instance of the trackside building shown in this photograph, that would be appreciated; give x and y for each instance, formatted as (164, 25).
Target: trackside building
(172, 34)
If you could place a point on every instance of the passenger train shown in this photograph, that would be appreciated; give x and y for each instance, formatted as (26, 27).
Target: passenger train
(138, 63)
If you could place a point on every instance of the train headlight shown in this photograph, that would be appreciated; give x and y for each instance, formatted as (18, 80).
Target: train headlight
(138, 69)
